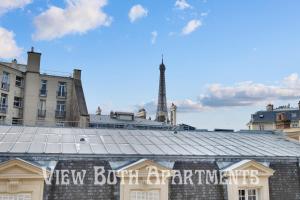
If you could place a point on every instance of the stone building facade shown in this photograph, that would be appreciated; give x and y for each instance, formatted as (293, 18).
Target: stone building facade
(30, 97)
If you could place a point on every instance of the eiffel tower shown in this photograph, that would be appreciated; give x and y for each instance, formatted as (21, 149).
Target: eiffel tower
(162, 110)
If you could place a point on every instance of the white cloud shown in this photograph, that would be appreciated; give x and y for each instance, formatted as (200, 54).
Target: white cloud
(292, 81)
(191, 26)
(154, 35)
(137, 12)
(6, 5)
(150, 106)
(79, 16)
(250, 93)
(8, 46)
(182, 4)
(188, 105)
(185, 105)
(240, 94)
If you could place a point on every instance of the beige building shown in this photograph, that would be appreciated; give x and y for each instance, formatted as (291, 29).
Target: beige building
(280, 118)
(283, 118)
(29, 97)
(293, 133)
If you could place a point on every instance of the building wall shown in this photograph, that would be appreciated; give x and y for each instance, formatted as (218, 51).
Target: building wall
(51, 99)
(262, 126)
(293, 133)
(12, 112)
(196, 191)
(31, 98)
(285, 183)
(30, 93)
(79, 192)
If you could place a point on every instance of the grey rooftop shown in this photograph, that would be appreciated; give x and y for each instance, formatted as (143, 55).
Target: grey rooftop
(270, 116)
(65, 141)
(106, 119)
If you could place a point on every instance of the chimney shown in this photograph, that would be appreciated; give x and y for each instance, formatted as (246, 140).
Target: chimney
(142, 114)
(112, 114)
(98, 112)
(77, 74)
(33, 61)
(173, 113)
(270, 107)
(14, 63)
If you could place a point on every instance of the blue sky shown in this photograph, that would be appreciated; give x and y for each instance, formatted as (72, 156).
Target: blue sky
(224, 59)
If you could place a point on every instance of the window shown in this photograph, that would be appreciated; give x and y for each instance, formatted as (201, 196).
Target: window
(43, 90)
(252, 194)
(242, 194)
(3, 103)
(18, 102)
(294, 124)
(261, 127)
(60, 109)
(5, 81)
(61, 105)
(16, 121)
(42, 104)
(42, 108)
(62, 89)
(294, 115)
(2, 119)
(60, 124)
(19, 81)
(248, 194)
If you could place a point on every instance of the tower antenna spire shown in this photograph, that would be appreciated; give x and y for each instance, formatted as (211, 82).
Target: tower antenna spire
(162, 58)
(162, 110)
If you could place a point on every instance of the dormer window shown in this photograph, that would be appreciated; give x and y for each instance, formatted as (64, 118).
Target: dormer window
(144, 189)
(21, 180)
(243, 187)
(261, 116)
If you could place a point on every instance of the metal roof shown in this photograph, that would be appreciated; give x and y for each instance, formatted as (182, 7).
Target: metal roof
(42, 140)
